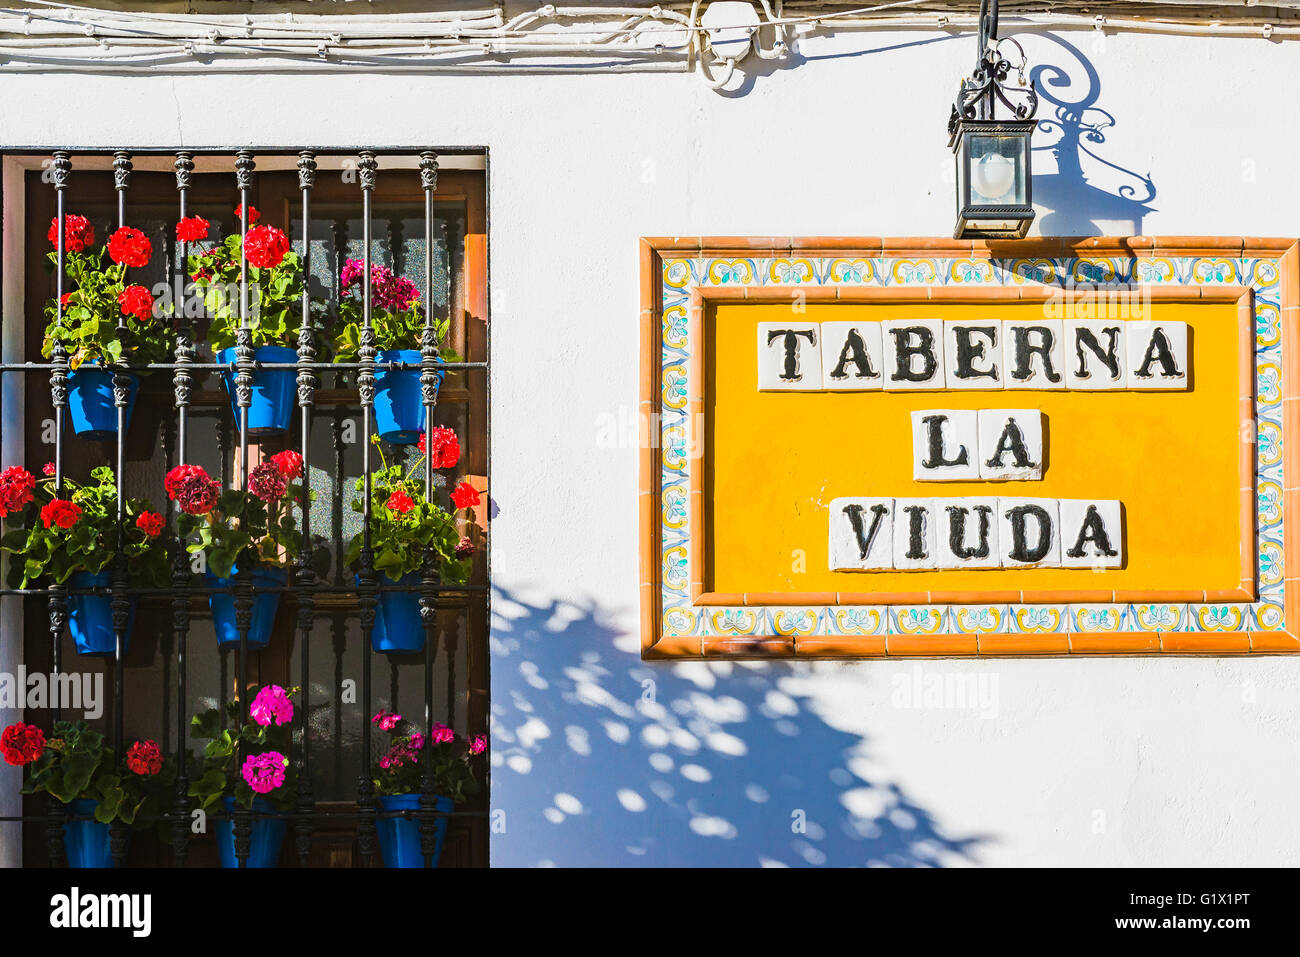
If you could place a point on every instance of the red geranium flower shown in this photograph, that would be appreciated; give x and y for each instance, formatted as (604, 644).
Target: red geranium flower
(136, 301)
(48, 468)
(77, 233)
(399, 502)
(130, 247)
(16, 484)
(179, 474)
(61, 512)
(265, 247)
(65, 299)
(145, 758)
(191, 229)
(253, 214)
(464, 495)
(190, 487)
(289, 463)
(151, 523)
(22, 743)
(446, 447)
(267, 482)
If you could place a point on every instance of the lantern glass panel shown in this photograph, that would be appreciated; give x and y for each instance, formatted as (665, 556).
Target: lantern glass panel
(997, 170)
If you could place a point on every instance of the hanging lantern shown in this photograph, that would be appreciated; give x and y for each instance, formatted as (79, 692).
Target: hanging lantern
(994, 175)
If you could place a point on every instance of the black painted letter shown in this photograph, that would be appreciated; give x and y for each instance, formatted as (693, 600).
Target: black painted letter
(957, 531)
(968, 351)
(916, 515)
(905, 349)
(865, 537)
(934, 444)
(854, 351)
(790, 342)
(1093, 530)
(1013, 441)
(1158, 351)
(1024, 352)
(1110, 355)
(1020, 550)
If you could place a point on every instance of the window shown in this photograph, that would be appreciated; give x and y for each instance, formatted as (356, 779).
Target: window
(174, 669)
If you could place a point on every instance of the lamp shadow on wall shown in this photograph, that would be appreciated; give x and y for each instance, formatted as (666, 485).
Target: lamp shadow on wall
(599, 758)
(1083, 192)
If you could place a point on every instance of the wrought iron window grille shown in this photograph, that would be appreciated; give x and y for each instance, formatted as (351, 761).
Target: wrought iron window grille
(306, 585)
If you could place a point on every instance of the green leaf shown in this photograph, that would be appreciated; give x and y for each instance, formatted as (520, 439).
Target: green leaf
(206, 725)
(109, 804)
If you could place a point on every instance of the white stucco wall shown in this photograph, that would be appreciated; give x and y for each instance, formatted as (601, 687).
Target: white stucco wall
(1094, 762)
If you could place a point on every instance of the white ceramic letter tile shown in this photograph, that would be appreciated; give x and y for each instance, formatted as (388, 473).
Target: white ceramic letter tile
(913, 350)
(967, 535)
(789, 357)
(852, 359)
(861, 534)
(1158, 355)
(914, 533)
(1028, 533)
(1096, 356)
(1033, 355)
(1092, 533)
(1011, 444)
(945, 445)
(972, 354)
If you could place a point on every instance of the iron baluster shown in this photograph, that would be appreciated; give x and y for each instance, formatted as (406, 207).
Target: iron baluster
(120, 603)
(61, 169)
(244, 366)
(430, 572)
(182, 386)
(366, 836)
(306, 574)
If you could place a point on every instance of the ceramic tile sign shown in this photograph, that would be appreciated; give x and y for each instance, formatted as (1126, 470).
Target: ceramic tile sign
(916, 534)
(907, 355)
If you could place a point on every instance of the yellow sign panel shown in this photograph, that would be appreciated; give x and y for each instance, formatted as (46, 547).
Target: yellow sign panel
(835, 468)
(774, 461)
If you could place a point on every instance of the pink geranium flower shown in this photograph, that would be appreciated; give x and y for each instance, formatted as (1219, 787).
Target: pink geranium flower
(271, 706)
(265, 772)
(441, 734)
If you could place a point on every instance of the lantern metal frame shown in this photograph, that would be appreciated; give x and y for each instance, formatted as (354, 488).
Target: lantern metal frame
(973, 114)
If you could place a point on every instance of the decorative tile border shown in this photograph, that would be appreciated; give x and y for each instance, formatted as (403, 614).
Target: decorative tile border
(677, 272)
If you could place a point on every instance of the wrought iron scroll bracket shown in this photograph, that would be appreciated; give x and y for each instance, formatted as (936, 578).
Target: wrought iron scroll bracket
(989, 83)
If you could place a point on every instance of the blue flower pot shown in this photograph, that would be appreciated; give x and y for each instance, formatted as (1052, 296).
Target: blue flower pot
(274, 390)
(86, 842)
(90, 617)
(264, 607)
(399, 403)
(266, 836)
(90, 400)
(399, 837)
(398, 629)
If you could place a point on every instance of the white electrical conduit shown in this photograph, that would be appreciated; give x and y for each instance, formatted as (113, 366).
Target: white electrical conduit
(38, 41)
